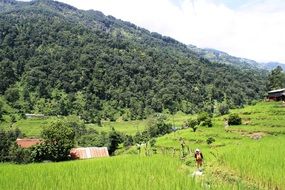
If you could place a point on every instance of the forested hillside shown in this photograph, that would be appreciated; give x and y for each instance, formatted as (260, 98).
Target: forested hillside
(58, 60)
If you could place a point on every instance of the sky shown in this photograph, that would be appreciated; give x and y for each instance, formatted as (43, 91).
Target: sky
(253, 29)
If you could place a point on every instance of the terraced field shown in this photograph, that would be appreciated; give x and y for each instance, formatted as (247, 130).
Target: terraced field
(248, 156)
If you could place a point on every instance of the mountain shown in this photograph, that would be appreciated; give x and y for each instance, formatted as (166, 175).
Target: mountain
(272, 65)
(59, 60)
(222, 57)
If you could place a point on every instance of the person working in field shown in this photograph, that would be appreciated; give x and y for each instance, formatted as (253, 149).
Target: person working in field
(198, 158)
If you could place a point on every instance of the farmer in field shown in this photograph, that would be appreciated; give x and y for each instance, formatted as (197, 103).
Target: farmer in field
(199, 158)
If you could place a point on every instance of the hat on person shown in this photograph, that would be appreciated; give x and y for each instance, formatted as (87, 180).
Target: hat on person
(197, 150)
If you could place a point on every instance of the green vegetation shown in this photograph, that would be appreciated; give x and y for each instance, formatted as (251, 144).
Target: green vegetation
(57, 141)
(276, 79)
(234, 119)
(129, 87)
(261, 163)
(128, 172)
(57, 60)
(247, 156)
(7, 141)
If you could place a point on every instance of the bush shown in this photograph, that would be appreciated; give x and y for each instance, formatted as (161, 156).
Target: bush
(7, 141)
(207, 122)
(210, 140)
(223, 109)
(94, 139)
(234, 119)
(128, 141)
(192, 123)
(20, 155)
(141, 137)
(158, 126)
(204, 119)
(115, 139)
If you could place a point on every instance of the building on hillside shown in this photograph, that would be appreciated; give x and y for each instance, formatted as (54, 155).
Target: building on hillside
(89, 152)
(29, 115)
(27, 143)
(276, 95)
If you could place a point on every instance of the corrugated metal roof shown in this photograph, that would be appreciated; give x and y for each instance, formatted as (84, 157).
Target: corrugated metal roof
(89, 152)
(278, 90)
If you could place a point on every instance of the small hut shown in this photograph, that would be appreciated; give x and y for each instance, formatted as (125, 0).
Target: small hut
(276, 95)
(89, 152)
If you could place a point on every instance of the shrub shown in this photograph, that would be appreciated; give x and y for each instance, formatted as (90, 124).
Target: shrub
(157, 127)
(207, 122)
(115, 139)
(204, 119)
(7, 141)
(234, 119)
(20, 155)
(94, 139)
(223, 109)
(192, 123)
(128, 141)
(210, 140)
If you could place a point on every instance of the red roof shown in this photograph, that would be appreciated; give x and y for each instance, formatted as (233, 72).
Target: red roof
(27, 143)
(89, 152)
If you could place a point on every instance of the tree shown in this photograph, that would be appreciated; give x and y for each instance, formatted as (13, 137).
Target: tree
(114, 140)
(7, 140)
(192, 123)
(276, 79)
(7, 75)
(157, 126)
(204, 119)
(128, 141)
(234, 119)
(12, 94)
(58, 139)
(94, 139)
(76, 124)
(223, 108)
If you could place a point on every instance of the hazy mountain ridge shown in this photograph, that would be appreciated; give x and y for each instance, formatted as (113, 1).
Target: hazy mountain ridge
(217, 56)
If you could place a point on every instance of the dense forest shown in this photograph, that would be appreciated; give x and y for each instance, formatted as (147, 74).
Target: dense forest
(58, 60)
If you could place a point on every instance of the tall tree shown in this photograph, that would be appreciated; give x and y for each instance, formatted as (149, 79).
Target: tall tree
(276, 79)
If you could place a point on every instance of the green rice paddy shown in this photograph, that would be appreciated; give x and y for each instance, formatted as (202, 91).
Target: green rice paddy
(249, 156)
(116, 173)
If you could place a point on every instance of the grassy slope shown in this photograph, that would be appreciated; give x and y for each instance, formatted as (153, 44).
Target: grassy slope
(30, 127)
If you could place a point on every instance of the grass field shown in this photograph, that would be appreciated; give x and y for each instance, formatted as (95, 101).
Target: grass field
(261, 162)
(117, 173)
(30, 127)
(33, 127)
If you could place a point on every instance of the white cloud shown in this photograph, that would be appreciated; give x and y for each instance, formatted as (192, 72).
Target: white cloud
(255, 30)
